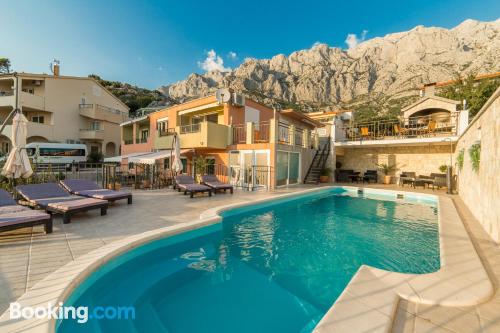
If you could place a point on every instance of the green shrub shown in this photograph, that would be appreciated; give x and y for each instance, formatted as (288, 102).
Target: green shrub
(475, 156)
(460, 158)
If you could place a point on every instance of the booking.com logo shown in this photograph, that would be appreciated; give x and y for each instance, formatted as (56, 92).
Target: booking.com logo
(81, 313)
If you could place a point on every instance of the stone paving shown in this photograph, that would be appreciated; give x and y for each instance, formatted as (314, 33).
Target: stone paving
(28, 255)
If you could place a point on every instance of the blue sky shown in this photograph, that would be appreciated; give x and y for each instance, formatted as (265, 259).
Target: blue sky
(151, 43)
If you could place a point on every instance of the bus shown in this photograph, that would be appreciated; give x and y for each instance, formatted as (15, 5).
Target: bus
(56, 153)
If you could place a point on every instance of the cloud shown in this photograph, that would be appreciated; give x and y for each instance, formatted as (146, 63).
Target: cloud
(213, 62)
(232, 55)
(352, 40)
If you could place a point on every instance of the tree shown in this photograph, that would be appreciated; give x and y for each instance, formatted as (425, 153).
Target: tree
(4, 65)
(475, 92)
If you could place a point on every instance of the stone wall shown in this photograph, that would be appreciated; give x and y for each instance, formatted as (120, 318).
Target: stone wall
(423, 160)
(481, 190)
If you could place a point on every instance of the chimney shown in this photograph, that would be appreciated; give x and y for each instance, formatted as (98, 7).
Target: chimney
(55, 67)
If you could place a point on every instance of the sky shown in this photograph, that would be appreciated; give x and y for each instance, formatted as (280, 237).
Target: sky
(154, 43)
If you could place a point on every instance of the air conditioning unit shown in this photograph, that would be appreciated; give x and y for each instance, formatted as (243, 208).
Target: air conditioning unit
(238, 99)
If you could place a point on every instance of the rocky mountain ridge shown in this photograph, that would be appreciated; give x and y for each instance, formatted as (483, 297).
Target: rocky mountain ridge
(388, 69)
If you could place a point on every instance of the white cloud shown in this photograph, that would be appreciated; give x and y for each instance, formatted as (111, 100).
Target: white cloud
(352, 40)
(232, 55)
(213, 62)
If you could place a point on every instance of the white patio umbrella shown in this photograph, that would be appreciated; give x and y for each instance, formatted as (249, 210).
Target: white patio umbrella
(18, 164)
(176, 162)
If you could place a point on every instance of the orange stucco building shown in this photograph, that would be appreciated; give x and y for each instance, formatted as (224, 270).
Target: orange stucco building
(241, 141)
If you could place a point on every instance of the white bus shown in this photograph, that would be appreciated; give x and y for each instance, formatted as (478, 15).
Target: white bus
(56, 153)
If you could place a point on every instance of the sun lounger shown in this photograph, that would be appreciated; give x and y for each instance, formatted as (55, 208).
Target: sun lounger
(55, 200)
(14, 216)
(187, 185)
(213, 182)
(89, 189)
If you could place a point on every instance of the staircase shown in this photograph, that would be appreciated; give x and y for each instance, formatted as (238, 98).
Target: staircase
(318, 163)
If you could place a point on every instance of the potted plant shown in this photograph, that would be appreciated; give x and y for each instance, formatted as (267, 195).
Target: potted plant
(324, 176)
(386, 169)
(200, 167)
(443, 168)
(114, 184)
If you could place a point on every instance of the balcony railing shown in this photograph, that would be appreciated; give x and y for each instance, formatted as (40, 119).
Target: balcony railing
(299, 137)
(192, 128)
(413, 127)
(261, 132)
(239, 134)
(284, 133)
(166, 132)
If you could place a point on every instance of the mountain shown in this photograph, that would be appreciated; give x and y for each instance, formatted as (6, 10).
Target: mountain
(384, 70)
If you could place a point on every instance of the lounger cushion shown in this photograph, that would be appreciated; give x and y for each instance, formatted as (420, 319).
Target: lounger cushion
(76, 185)
(183, 179)
(103, 194)
(23, 216)
(12, 209)
(45, 202)
(6, 198)
(41, 191)
(70, 205)
(219, 185)
(194, 187)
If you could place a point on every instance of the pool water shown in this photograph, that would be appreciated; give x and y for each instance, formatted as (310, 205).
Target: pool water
(274, 267)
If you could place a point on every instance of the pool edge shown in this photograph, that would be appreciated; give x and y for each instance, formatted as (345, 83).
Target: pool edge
(383, 285)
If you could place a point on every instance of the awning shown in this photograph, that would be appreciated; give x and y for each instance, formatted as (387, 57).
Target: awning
(119, 158)
(151, 158)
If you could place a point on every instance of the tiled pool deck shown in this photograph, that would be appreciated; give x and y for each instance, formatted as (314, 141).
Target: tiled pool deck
(28, 255)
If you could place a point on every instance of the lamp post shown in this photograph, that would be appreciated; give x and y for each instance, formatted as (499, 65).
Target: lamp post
(449, 168)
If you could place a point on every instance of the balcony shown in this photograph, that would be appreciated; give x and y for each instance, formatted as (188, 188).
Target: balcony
(91, 134)
(414, 129)
(7, 98)
(100, 112)
(34, 129)
(31, 101)
(202, 135)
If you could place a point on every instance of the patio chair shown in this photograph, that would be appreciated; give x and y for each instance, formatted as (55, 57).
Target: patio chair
(213, 182)
(89, 189)
(370, 175)
(438, 180)
(407, 178)
(55, 200)
(14, 216)
(187, 185)
(365, 133)
(343, 175)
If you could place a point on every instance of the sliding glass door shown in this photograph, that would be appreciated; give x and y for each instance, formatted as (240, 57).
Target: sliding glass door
(287, 168)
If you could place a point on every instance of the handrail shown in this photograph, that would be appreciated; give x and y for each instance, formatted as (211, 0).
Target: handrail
(192, 128)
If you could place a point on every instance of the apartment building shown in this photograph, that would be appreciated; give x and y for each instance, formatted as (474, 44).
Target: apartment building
(63, 109)
(242, 141)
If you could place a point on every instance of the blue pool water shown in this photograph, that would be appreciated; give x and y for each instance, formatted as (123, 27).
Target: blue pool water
(274, 267)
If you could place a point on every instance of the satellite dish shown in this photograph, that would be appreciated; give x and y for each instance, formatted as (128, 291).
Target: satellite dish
(223, 95)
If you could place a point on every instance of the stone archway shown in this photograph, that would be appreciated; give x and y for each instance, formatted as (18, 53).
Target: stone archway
(110, 149)
(36, 138)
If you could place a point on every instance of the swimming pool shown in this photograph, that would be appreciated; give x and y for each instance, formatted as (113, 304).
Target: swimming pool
(276, 266)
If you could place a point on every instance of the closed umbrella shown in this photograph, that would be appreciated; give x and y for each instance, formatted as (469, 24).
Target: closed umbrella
(177, 163)
(18, 164)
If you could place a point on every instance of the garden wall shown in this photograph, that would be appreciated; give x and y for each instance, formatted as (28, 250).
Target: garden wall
(480, 190)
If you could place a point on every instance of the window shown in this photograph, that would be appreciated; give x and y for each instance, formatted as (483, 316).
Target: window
(144, 134)
(287, 166)
(95, 126)
(58, 152)
(214, 118)
(94, 149)
(162, 126)
(5, 147)
(38, 119)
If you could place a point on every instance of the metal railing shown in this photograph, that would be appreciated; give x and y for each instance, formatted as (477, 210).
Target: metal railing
(141, 140)
(250, 177)
(192, 128)
(283, 133)
(54, 172)
(261, 132)
(299, 137)
(413, 127)
(239, 134)
(166, 132)
(102, 108)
